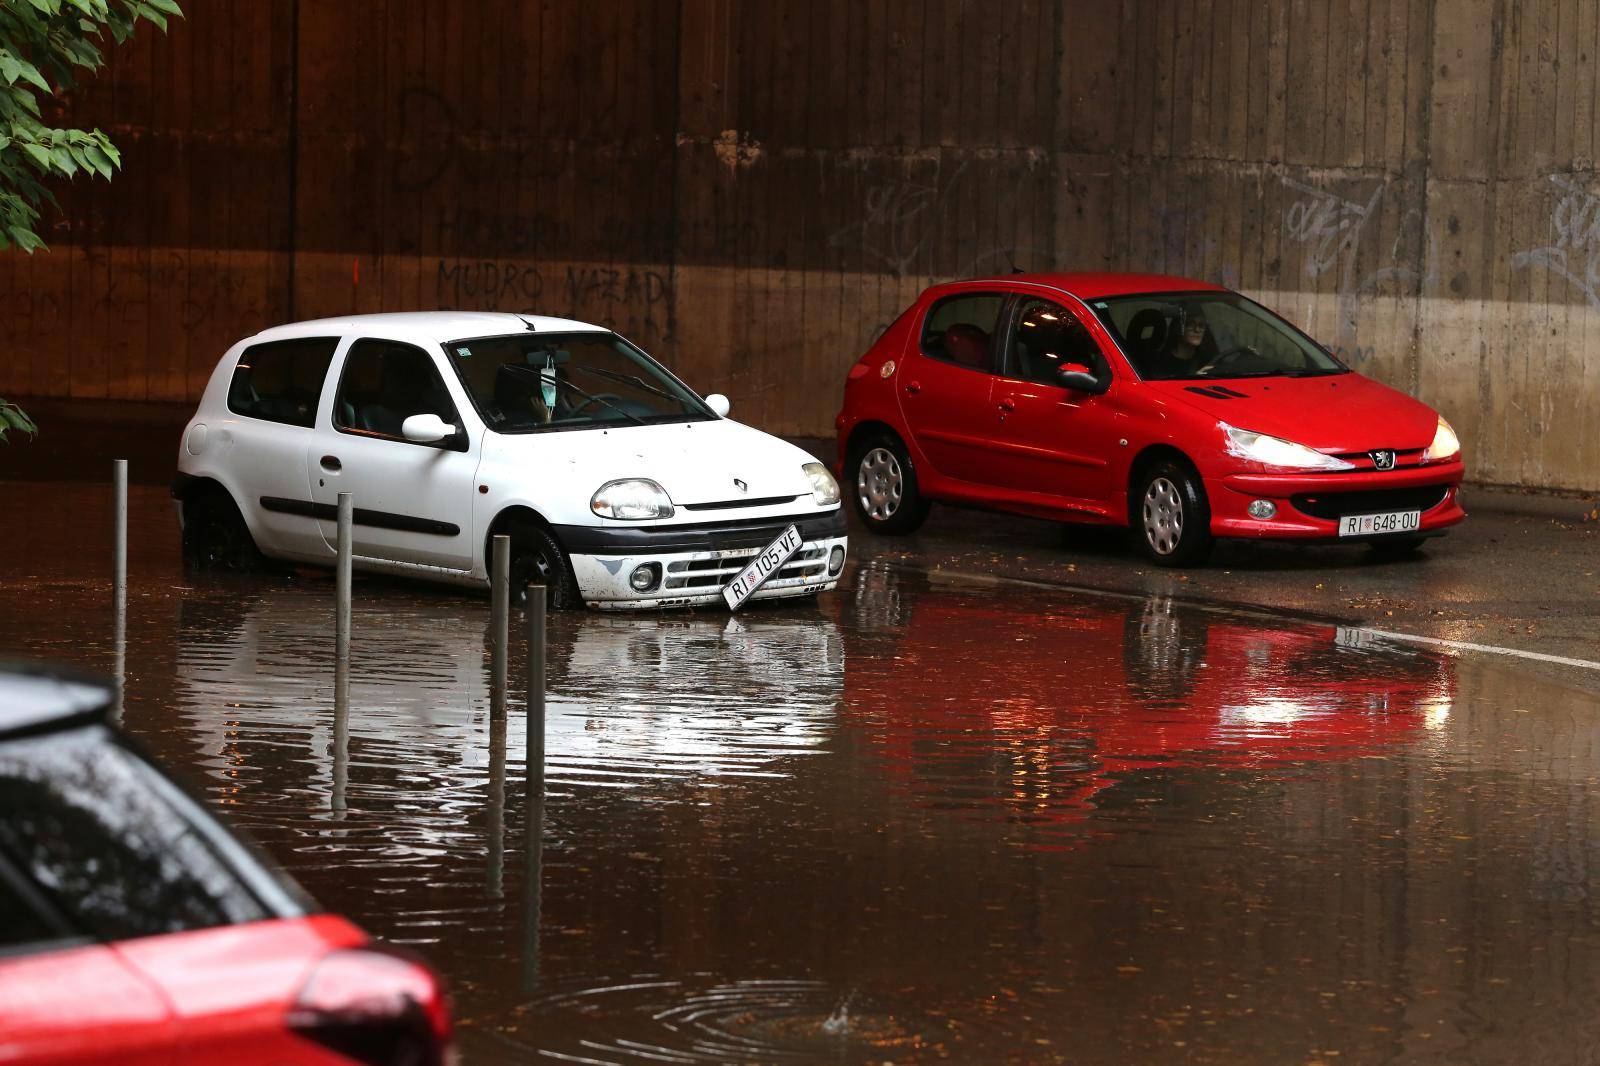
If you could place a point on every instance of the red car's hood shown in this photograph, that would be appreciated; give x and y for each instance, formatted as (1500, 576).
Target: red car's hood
(1340, 413)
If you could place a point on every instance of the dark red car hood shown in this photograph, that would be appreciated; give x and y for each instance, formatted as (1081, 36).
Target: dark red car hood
(1340, 413)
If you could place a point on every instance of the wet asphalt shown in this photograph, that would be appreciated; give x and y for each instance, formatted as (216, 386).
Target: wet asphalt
(1008, 795)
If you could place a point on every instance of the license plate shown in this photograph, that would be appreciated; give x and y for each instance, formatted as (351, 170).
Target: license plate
(764, 565)
(1366, 525)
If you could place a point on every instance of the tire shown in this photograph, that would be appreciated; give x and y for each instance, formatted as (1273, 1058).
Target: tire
(537, 557)
(883, 487)
(215, 536)
(1399, 548)
(1171, 516)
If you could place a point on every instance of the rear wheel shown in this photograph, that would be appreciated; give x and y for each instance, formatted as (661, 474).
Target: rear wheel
(537, 558)
(215, 536)
(1172, 518)
(884, 487)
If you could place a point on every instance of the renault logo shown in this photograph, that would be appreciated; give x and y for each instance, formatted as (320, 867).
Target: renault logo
(1383, 459)
(742, 487)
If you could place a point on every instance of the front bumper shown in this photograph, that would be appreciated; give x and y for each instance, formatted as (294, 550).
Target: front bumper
(696, 561)
(1310, 505)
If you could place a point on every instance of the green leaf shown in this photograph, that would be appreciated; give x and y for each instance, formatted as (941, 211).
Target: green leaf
(30, 73)
(10, 69)
(63, 161)
(14, 417)
(100, 160)
(39, 155)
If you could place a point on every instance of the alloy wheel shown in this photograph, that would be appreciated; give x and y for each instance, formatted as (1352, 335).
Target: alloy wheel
(880, 483)
(1163, 516)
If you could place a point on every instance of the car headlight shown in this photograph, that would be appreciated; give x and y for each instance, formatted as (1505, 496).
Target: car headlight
(631, 498)
(1446, 445)
(1275, 451)
(824, 489)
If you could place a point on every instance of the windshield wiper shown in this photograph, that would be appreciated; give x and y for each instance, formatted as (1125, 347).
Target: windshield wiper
(627, 379)
(538, 375)
(1313, 373)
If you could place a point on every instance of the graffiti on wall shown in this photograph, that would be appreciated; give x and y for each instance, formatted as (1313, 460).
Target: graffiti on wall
(1333, 230)
(1574, 254)
(636, 300)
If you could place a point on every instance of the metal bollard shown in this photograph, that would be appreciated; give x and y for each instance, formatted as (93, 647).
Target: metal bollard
(342, 577)
(119, 580)
(533, 901)
(499, 617)
(341, 737)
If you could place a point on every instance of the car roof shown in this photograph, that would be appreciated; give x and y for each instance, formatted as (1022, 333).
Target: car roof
(435, 327)
(1092, 285)
(34, 697)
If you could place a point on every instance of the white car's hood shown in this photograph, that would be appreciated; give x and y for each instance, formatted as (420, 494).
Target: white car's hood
(696, 462)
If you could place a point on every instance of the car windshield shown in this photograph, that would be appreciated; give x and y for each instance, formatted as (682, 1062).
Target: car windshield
(529, 382)
(1181, 336)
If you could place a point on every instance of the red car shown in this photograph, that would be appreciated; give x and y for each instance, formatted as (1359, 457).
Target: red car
(136, 929)
(1178, 408)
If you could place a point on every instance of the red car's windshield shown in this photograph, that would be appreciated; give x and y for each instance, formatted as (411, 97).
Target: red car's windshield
(1169, 336)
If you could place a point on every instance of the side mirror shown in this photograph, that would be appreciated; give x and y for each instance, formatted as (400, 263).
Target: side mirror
(718, 404)
(426, 429)
(1080, 378)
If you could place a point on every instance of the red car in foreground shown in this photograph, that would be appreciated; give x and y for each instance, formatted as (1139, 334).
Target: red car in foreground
(1178, 408)
(136, 929)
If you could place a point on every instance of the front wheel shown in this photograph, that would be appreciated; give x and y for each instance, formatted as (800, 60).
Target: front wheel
(884, 488)
(1397, 548)
(537, 558)
(1172, 518)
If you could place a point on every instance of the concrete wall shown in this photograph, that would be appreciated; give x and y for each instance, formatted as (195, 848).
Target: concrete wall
(755, 189)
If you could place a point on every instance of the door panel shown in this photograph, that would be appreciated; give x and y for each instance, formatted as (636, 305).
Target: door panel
(1053, 440)
(945, 385)
(275, 392)
(413, 502)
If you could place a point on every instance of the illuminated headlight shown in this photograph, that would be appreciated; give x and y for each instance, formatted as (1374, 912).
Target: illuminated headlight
(1274, 451)
(1446, 445)
(824, 489)
(632, 499)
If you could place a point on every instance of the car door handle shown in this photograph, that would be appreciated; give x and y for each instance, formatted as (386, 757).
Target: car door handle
(914, 387)
(331, 462)
(1007, 406)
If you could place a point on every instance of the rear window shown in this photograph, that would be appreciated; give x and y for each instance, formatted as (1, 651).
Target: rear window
(281, 381)
(116, 848)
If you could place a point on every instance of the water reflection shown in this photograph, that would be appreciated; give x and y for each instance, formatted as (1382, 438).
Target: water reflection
(1053, 706)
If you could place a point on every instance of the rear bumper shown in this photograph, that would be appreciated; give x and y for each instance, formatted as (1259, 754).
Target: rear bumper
(1309, 505)
(695, 562)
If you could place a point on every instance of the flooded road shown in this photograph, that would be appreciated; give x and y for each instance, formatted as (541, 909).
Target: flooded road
(917, 820)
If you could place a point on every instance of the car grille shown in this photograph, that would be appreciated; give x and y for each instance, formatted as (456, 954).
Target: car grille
(714, 573)
(1333, 506)
(728, 505)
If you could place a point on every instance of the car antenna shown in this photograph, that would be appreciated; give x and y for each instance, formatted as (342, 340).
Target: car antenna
(531, 327)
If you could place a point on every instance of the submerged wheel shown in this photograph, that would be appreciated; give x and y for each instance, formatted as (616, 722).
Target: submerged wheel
(537, 558)
(1172, 518)
(884, 485)
(215, 536)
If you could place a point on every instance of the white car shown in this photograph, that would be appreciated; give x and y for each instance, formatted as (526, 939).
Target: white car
(619, 486)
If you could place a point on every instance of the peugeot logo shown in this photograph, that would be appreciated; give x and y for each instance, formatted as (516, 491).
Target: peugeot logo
(742, 487)
(1383, 459)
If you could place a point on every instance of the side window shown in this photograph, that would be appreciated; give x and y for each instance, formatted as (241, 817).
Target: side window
(282, 380)
(1049, 337)
(384, 383)
(961, 329)
(24, 927)
(92, 826)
